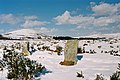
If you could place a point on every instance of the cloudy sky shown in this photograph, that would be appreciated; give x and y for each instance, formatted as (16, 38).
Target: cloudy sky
(61, 17)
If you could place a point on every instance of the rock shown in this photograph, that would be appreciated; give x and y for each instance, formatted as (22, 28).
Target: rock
(70, 53)
(25, 49)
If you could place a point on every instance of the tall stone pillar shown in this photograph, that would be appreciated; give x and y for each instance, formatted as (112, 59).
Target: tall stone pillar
(70, 53)
(25, 49)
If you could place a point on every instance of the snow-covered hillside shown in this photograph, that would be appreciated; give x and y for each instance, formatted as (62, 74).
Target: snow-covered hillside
(113, 35)
(104, 60)
(25, 34)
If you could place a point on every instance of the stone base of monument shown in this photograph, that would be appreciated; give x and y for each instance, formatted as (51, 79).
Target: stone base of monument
(25, 54)
(68, 63)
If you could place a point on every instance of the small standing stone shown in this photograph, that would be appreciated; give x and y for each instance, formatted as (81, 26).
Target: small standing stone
(25, 49)
(70, 53)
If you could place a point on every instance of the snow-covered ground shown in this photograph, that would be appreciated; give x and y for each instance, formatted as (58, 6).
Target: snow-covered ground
(89, 64)
(101, 62)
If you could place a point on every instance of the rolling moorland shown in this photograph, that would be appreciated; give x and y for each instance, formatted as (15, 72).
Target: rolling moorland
(98, 57)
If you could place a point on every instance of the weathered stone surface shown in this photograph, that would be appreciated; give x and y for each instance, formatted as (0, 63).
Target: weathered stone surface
(25, 49)
(70, 53)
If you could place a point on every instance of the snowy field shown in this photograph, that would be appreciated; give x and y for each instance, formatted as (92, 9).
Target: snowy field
(89, 64)
(96, 57)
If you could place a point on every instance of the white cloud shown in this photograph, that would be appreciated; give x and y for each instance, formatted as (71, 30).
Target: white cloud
(23, 21)
(116, 18)
(86, 21)
(77, 11)
(106, 9)
(9, 19)
(103, 21)
(47, 30)
(80, 20)
(103, 28)
(30, 17)
(63, 19)
(116, 27)
(32, 23)
(92, 3)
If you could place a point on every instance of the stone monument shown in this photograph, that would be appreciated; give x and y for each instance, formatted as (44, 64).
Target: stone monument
(25, 48)
(70, 53)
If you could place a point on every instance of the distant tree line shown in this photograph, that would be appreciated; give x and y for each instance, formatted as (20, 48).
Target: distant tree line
(3, 38)
(69, 38)
(6, 38)
(63, 38)
(54, 37)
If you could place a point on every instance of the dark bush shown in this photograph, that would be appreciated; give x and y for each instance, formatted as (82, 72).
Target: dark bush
(99, 46)
(116, 75)
(45, 48)
(79, 50)
(100, 77)
(80, 75)
(58, 49)
(21, 68)
(11, 75)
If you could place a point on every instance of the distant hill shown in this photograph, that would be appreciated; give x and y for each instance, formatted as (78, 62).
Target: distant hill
(112, 35)
(26, 34)
(23, 34)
